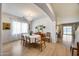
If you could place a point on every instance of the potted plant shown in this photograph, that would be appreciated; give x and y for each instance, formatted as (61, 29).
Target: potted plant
(31, 32)
(40, 28)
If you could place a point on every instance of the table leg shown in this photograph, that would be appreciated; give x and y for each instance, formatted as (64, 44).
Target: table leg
(35, 40)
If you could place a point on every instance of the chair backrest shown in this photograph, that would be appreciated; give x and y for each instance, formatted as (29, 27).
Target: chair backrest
(41, 34)
(48, 34)
(22, 37)
(77, 48)
(78, 45)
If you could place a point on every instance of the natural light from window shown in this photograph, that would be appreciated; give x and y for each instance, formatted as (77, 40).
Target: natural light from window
(19, 27)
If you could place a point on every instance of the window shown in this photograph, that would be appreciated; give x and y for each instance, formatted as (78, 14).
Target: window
(24, 28)
(19, 27)
(67, 30)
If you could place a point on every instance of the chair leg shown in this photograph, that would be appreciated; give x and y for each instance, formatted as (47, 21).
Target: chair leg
(45, 44)
(78, 52)
(29, 43)
(26, 43)
(72, 52)
(41, 47)
(23, 43)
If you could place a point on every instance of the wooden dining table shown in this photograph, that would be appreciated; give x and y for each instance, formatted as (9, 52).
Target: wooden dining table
(33, 37)
(35, 40)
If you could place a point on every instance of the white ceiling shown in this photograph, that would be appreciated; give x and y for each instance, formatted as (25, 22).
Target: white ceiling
(29, 10)
(32, 11)
(66, 9)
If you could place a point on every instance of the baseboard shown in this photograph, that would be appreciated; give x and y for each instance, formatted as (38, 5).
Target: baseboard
(10, 41)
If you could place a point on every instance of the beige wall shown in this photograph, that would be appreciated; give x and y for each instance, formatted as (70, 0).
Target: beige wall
(50, 27)
(7, 34)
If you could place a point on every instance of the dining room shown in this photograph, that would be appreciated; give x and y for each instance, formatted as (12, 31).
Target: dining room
(28, 27)
(30, 30)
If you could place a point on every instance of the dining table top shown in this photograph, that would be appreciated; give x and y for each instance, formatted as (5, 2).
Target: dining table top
(33, 37)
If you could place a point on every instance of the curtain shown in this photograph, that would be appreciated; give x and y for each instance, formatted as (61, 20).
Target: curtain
(19, 27)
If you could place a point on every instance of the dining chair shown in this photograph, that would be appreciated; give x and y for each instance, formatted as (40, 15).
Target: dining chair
(23, 41)
(48, 36)
(28, 41)
(42, 41)
(75, 49)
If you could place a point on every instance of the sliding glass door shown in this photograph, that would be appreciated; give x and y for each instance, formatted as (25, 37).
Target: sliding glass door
(67, 35)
